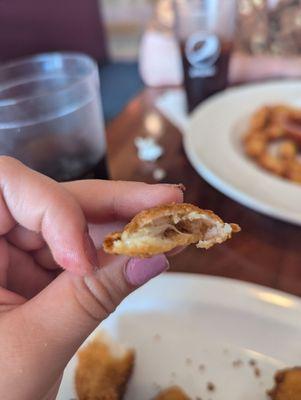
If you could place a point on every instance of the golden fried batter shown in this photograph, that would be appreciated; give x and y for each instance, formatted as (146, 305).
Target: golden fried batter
(255, 145)
(274, 132)
(287, 150)
(294, 171)
(172, 393)
(273, 164)
(100, 374)
(160, 229)
(273, 140)
(287, 385)
(260, 118)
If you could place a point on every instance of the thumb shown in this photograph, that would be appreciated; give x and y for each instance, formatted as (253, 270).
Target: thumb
(52, 325)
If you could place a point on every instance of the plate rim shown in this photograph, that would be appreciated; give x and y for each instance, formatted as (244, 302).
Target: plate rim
(247, 287)
(192, 276)
(233, 192)
(272, 303)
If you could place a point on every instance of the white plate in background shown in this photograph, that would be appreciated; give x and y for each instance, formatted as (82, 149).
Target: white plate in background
(212, 144)
(179, 323)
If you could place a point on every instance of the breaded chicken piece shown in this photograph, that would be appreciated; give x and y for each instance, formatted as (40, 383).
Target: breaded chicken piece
(287, 385)
(160, 229)
(172, 393)
(255, 145)
(260, 118)
(273, 163)
(101, 374)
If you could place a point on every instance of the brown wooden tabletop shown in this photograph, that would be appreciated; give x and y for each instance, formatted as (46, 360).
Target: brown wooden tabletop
(267, 251)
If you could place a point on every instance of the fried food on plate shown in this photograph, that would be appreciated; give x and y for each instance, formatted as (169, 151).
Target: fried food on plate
(161, 229)
(287, 150)
(172, 393)
(273, 164)
(294, 171)
(273, 140)
(287, 385)
(255, 144)
(261, 118)
(103, 370)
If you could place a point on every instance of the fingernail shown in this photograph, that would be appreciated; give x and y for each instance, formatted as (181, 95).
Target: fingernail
(177, 186)
(181, 187)
(140, 270)
(90, 250)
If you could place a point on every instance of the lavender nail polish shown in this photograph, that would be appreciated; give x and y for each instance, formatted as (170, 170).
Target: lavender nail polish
(140, 270)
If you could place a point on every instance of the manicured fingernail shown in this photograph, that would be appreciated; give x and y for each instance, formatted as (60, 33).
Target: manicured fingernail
(140, 270)
(90, 250)
(181, 187)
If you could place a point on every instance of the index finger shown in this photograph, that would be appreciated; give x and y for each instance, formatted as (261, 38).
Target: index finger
(41, 205)
(106, 201)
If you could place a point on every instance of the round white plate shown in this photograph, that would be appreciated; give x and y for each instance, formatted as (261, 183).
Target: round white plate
(213, 146)
(190, 330)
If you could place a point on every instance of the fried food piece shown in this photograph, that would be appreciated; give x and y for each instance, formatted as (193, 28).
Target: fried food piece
(292, 127)
(287, 385)
(272, 163)
(280, 112)
(101, 374)
(294, 171)
(255, 144)
(172, 393)
(160, 229)
(274, 132)
(260, 118)
(287, 150)
(274, 140)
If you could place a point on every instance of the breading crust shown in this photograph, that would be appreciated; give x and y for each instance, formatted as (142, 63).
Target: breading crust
(150, 248)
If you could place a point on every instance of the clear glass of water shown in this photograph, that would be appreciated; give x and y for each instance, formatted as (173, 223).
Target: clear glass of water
(51, 116)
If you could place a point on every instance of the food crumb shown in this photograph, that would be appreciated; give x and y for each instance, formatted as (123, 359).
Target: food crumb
(237, 363)
(201, 367)
(157, 337)
(188, 361)
(210, 387)
(257, 372)
(252, 362)
(157, 387)
(159, 174)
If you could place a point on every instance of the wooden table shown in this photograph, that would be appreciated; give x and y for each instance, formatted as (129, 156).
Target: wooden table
(267, 251)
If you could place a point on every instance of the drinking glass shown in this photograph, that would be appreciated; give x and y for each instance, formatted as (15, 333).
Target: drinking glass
(51, 116)
(205, 30)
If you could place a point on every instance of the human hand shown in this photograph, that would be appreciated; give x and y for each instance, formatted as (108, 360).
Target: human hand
(45, 312)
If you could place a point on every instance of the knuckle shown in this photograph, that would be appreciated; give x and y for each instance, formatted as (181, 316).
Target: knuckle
(118, 288)
(94, 297)
(9, 162)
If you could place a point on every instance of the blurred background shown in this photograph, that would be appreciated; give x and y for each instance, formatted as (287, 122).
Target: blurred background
(121, 33)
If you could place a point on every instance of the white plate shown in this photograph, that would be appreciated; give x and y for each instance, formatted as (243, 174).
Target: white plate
(212, 144)
(179, 322)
